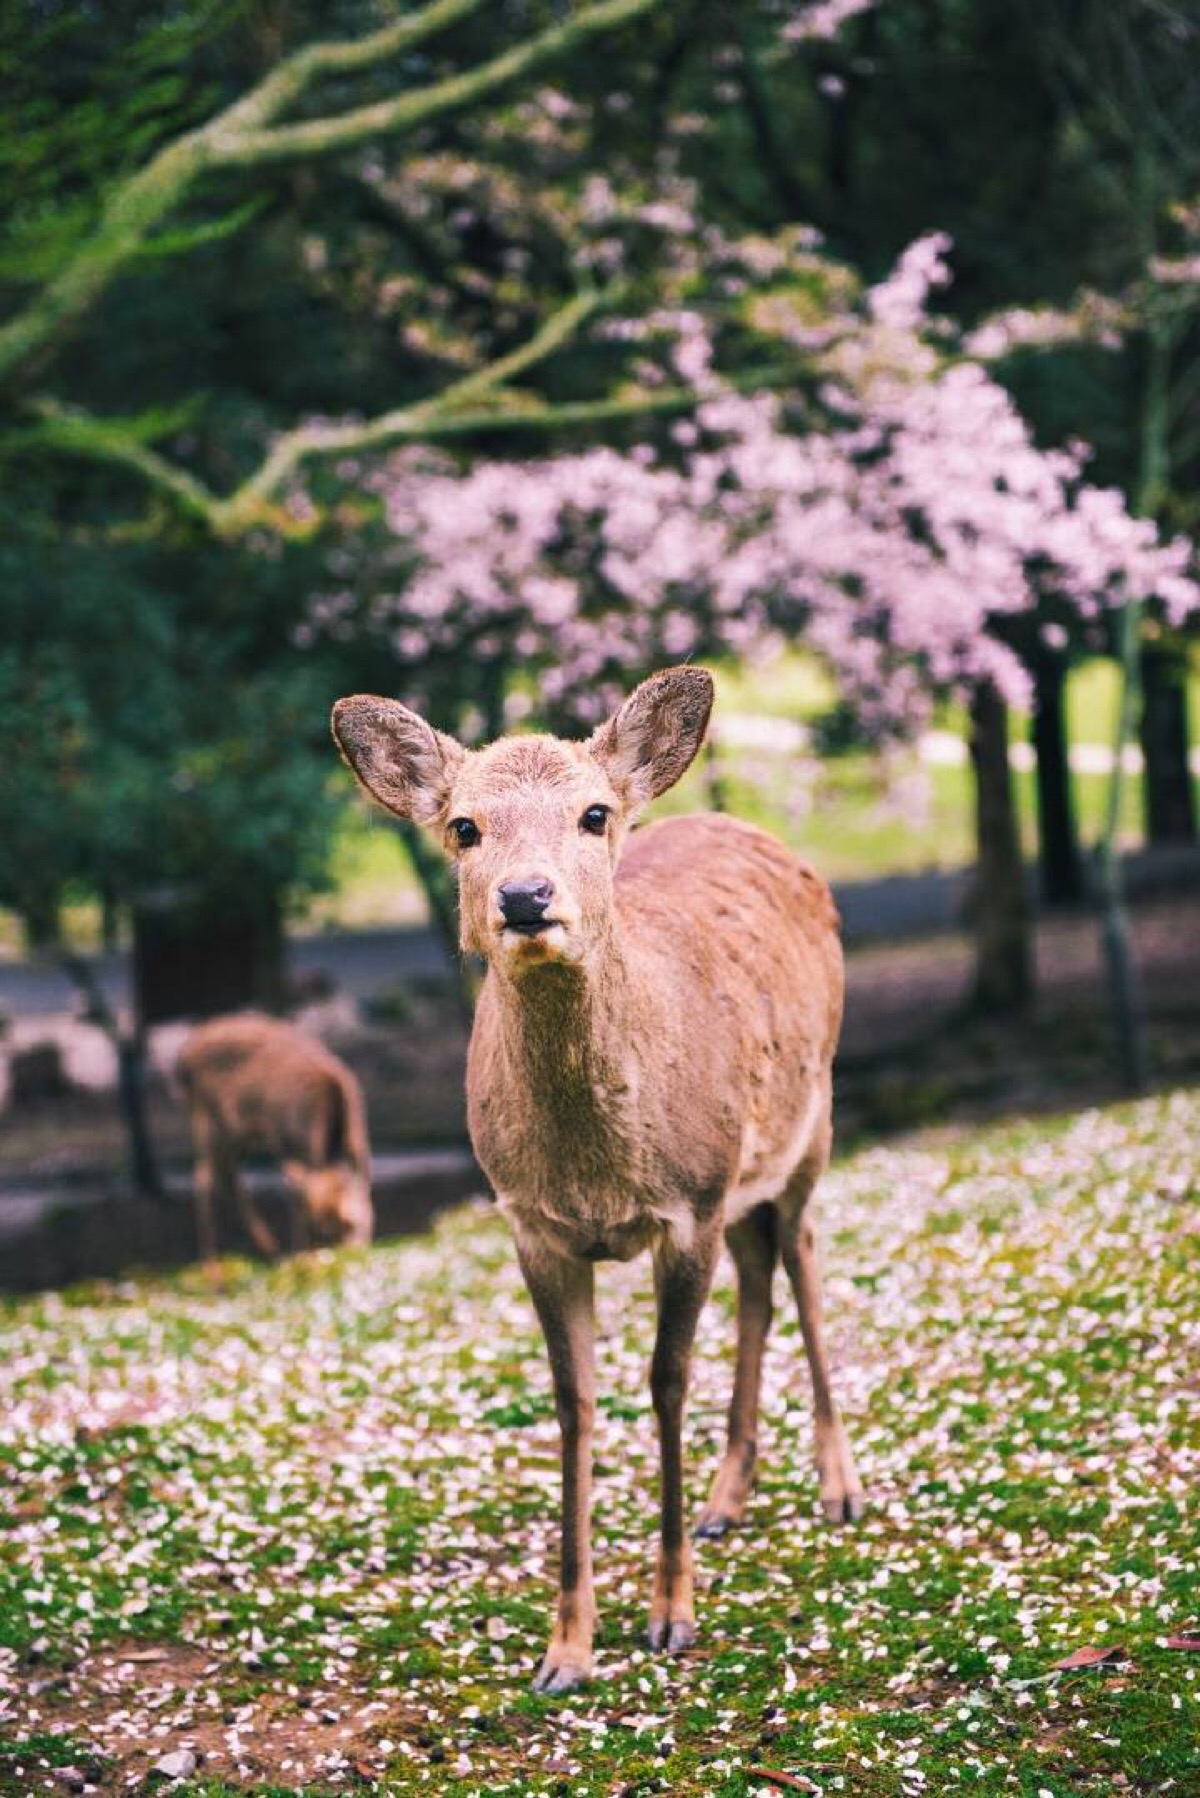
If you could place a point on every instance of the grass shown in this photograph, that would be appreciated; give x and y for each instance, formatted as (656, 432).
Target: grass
(316, 1504)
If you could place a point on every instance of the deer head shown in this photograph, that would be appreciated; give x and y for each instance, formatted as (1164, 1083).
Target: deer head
(336, 1200)
(533, 824)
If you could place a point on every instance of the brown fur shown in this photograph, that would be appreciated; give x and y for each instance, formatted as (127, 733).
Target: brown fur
(255, 1084)
(651, 1071)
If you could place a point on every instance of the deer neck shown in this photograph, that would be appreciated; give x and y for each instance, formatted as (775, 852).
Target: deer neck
(567, 1032)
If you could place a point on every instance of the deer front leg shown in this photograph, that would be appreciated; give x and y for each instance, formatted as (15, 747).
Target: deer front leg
(682, 1279)
(561, 1287)
(253, 1221)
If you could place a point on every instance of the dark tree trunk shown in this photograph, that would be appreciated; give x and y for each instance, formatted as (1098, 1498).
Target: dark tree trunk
(197, 958)
(130, 1046)
(110, 920)
(1060, 861)
(1116, 937)
(1003, 947)
(41, 917)
(1168, 794)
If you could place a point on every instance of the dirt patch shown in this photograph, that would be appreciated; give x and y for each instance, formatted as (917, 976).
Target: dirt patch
(132, 1708)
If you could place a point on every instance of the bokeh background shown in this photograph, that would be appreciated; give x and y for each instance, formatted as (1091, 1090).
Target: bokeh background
(491, 354)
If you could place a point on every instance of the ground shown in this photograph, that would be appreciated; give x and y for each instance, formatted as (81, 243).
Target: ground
(296, 1526)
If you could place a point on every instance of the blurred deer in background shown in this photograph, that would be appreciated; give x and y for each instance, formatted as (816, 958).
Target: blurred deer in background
(650, 1068)
(255, 1084)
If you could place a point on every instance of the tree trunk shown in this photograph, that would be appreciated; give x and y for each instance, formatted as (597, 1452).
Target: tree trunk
(1060, 861)
(1003, 947)
(195, 958)
(130, 1046)
(1168, 795)
(41, 916)
(1125, 994)
(110, 920)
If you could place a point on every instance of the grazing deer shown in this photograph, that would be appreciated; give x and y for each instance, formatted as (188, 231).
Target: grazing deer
(257, 1084)
(649, 1069)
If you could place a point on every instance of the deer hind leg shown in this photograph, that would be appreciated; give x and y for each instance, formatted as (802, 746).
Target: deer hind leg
(204, 1181)
(561, 1287)
(682, 1280)
(841, 1488)
(752, 1243)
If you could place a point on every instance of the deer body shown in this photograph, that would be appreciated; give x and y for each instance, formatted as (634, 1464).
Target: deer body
(685, 1074)
(255, 1084)
(650, 1068)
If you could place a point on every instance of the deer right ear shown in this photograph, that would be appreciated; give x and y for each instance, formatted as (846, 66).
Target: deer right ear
(652, 740)
(401, 761)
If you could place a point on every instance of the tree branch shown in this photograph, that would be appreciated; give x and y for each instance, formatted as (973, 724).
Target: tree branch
(319, 137)
(73, 432)
(239, 137)
(405, 423)
(64, 430)
(70, 431)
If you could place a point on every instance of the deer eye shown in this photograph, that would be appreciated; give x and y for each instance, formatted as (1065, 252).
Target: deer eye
(466, 832)
(594, 820)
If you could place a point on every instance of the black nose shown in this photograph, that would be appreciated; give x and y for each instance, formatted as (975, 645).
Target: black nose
(525, 901)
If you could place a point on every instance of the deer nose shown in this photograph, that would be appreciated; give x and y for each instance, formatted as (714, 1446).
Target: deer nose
(525, 901)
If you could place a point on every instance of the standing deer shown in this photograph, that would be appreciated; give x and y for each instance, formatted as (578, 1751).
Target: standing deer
(650, 1068)
(256, 1083)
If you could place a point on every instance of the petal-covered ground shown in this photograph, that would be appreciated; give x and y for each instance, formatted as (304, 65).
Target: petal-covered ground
(294, 1532)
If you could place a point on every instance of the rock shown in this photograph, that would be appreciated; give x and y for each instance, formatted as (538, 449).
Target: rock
(179, 1764)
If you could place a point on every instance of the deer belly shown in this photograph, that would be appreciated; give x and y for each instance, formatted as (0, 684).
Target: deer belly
(611, 1230)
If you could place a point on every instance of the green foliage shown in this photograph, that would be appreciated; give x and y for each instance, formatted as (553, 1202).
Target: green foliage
(156, 728)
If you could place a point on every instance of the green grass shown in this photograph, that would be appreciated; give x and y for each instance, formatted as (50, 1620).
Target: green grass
(332, 1484)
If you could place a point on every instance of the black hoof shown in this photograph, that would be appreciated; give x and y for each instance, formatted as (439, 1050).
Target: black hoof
(665, 1637)
(843, 1510)
(712, 1528)
(564, 1676)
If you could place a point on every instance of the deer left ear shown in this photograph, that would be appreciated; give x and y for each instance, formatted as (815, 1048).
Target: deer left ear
(651, 742)
(401, 761)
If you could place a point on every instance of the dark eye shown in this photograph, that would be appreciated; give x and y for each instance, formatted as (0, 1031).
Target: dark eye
(594, 820)
(466, 832)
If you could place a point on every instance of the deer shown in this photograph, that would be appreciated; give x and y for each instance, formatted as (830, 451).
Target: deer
(255, 1083)
(650, 1068)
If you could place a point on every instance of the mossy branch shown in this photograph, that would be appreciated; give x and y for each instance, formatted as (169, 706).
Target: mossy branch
(241, 136)
(65, 430)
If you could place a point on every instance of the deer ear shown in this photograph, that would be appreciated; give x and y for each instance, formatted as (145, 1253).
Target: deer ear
(401, 761)
(646, 746)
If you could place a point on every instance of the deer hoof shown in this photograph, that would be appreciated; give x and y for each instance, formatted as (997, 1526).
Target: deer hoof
(555, 1677)
(846, 1509)
(666, 1637)
(710, 1526)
